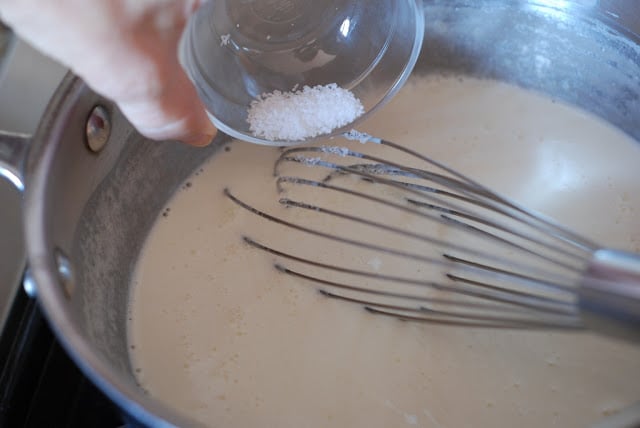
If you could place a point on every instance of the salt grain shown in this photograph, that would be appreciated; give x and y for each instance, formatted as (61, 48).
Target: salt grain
(309, 161)
(301, 114)
(340, 151)
(362, 137)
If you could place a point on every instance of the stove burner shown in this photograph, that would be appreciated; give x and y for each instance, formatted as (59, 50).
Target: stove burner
(39, 385)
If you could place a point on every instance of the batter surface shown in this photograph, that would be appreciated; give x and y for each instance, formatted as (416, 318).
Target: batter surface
(220, 335)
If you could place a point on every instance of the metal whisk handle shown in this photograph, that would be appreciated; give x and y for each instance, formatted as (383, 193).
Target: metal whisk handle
(610, 294)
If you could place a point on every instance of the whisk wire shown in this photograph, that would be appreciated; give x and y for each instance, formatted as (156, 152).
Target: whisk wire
(479, 286)
(495, 294)
(374, 172)
(463, 184)
(435, 218)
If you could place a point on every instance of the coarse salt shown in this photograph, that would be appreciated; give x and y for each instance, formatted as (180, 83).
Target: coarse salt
(340, 151)
(309, 161)
(362, 137)
(301, 114)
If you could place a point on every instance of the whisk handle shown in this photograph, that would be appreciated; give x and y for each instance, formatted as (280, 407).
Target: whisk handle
(610, 294)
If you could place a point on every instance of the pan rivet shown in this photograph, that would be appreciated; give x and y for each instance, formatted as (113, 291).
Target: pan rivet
(29, 285)
(98, 128)
(65, 273)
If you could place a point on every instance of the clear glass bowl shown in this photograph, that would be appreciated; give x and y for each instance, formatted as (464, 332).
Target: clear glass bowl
(236, 50)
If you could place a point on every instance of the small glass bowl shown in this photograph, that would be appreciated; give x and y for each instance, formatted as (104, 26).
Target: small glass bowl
(236, 50)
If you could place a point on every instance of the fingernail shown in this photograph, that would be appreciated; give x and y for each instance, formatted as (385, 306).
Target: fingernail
(205, 135)
(199, 140)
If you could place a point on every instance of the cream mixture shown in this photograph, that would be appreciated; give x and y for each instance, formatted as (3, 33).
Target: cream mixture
(220, 335)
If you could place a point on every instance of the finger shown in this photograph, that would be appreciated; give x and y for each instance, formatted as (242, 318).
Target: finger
(125, 50)
(174, 112)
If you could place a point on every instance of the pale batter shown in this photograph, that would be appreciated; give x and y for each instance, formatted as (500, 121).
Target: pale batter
(218, 334)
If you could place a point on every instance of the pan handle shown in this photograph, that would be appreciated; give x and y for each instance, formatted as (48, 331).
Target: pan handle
(610, 294)
(13, 152)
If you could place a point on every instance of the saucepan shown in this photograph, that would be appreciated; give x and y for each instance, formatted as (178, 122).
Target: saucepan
(93, 186)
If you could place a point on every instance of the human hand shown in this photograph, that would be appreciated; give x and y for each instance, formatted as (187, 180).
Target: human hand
(126, 50)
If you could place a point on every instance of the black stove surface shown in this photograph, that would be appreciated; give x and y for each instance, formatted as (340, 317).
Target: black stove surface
(39, 385)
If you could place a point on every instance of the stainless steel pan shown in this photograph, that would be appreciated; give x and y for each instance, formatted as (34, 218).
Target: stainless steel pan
(93, 186)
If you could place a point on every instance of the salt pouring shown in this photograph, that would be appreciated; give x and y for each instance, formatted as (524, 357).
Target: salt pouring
(290, 72)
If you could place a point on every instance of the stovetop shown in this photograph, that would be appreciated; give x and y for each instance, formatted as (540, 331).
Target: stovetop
(39, 385)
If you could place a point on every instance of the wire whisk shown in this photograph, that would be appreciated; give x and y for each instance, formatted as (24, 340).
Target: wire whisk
(455, 252)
